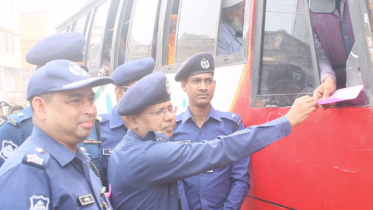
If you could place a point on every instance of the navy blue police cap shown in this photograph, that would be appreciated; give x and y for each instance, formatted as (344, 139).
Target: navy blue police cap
(199, 63)
(133, 71)
(61, 75)
(152, 89)
(66, 45)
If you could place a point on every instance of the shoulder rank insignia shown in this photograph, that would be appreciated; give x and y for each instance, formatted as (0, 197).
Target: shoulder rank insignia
(12, 121)
(39, 202)
(161, 139)
(34, 158)
(38, 158)
(7, 149)
(20, 114)
(40, 150)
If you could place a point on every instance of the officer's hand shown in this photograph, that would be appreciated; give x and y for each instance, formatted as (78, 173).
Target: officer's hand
(300, 110)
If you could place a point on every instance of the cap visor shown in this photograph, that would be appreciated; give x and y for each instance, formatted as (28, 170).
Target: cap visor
(94, 82)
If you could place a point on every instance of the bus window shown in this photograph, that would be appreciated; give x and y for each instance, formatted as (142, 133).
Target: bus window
(141, 29)
(198, 28)
(170, 33)
(233, 32)
(287, 65)
(96, 37)
(79, 25)
(122, 33)
(336, 51)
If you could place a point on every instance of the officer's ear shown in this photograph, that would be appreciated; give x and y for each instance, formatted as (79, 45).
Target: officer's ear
(119, 92)
(39, 105)
(183, 83)
(132, 122)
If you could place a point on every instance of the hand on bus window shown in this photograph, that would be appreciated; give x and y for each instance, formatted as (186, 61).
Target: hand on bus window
(325, 90)
(106, 71)
(300, 110)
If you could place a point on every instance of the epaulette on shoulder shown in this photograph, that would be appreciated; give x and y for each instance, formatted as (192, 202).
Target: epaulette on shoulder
(231, 116)
(20, 116)
(37, 157)
(158, 136)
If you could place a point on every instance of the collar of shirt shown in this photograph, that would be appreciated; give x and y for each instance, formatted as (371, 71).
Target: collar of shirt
(212, 114)
(61, 153)
(115, 119)
(339, 13)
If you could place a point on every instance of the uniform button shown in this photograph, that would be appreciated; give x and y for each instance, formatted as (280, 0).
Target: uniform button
(201, 174)
(345, 37)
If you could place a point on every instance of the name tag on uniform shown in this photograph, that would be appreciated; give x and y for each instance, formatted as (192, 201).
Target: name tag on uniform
(210, 171)
(86, 200)
(107, 151)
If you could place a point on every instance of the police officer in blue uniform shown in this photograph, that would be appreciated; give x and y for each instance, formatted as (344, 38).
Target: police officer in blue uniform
(18, 127)
(112, 125)
(49, 168)
(145, 166)
(201, 121)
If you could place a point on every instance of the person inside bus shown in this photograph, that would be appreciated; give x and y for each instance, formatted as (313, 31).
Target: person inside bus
(231, 27)
(334, 39)
(172, 39)
(105, 66)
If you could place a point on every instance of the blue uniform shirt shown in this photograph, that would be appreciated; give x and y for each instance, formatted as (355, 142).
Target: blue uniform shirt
(221, 188)
(45, 174)
(143, 172)
(14, 132)
(92, 146)
(112, 130)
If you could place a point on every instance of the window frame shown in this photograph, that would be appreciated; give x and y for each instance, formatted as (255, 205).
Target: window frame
(362, 32)
(89, 31)
(279, 100)
(220, 61)
(121, 14)
(87, 20)
(128, 41)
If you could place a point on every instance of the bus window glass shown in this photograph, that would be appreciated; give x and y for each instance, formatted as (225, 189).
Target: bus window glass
(141, 32)
(231, 28)
(198, 28)
(286, 65)
(80, 24)
(170, 33)
(95, 38)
